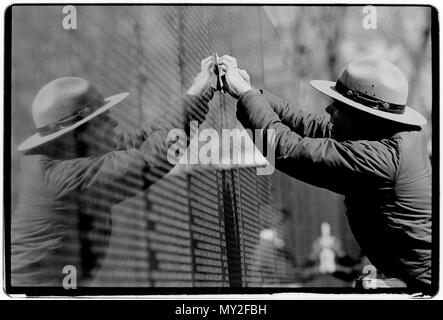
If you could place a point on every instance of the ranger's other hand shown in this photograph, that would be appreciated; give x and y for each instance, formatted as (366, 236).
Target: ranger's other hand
(245, 75)
(202, 80)
(236, 81)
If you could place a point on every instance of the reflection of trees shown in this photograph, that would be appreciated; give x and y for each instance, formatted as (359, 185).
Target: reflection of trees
(316, 34)
(331, 28)
(420, 56)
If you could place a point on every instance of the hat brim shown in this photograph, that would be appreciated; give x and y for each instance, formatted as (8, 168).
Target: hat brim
(410, 116)
(37, 139)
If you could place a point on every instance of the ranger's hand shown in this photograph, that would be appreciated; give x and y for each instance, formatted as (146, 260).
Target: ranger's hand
(245, 75)
(202, 80)
(236, 82)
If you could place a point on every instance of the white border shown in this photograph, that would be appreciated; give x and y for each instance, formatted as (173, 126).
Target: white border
(261, 297)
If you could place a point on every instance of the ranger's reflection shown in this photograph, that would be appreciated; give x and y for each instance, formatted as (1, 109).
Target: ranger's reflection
(75, 169)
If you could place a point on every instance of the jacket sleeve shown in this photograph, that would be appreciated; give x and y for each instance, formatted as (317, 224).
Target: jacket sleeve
(303, 123)
(125, 172)
(323, 162)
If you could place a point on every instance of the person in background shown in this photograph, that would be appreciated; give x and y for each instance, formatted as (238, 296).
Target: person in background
(372, 150)
(74, 169)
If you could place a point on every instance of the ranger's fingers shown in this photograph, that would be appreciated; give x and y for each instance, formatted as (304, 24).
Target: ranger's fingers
(223, 67)
(244, 74)
(231, 61)
(228, 57)
(227, 66)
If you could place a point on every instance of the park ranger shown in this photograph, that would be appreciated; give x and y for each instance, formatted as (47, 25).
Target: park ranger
(372, 150)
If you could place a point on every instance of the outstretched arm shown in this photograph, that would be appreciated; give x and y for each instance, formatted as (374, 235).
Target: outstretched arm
(303, 123)
(323, 162)
(193, 106)
(142, 159)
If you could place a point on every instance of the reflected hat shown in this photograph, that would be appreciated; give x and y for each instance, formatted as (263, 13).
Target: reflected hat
(373, 85)
(63, 105)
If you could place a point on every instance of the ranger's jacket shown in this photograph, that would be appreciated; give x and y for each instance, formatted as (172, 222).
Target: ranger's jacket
(63, 214)
(386, 183)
